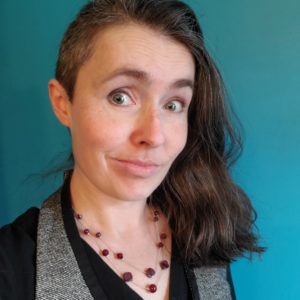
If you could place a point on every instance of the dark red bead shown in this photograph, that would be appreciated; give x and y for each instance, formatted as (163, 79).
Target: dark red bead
(98, 235)
(160, 245)
(79, 216)
(105, 252)
(119, 255)
(127, 276)
(86, 231)
(156, 213)
(164, 264)
(152, 288)
(163, 236)
(149, 272)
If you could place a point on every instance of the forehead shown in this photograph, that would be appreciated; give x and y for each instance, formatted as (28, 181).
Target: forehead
(136, 46)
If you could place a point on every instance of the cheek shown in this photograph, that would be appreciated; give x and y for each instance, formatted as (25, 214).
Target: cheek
(178, 138)
(98, 132)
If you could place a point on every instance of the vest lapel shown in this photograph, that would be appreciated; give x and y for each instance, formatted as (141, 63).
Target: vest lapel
(58, 274)
(212, 283)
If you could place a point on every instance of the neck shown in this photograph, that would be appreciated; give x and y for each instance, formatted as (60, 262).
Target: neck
(117, 217)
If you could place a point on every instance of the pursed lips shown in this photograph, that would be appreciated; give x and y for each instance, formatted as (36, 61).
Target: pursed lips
(140, 163)
(138, 167)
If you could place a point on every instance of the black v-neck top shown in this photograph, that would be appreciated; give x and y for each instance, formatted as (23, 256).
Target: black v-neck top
(18, 262)
(115, 288)
(97, 273)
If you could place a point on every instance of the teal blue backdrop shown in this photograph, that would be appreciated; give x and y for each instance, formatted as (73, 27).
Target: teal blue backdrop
(256, 45)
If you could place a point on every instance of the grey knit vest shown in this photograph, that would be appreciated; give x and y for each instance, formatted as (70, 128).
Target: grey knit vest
(58, 275)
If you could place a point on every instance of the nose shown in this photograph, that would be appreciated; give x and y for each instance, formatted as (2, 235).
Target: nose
(148, 129)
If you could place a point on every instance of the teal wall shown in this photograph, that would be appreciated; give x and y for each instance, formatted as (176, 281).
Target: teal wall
(256, 44)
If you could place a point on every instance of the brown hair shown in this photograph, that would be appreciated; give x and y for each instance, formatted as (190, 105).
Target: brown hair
(211, 217)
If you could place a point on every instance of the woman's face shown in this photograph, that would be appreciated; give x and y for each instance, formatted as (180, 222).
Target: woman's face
(128, 117)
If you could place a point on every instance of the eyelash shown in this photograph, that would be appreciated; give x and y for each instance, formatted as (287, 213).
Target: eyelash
(124, 93)
(181, 103)
(119, 92)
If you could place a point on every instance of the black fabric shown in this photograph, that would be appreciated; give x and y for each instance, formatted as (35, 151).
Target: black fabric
(115, 288)
(77, 246)
(112, 284)
(98, 275)
(18, 259)
(179, 287)
(229, 279)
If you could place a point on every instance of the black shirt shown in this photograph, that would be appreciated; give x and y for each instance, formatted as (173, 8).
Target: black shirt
(18, 258)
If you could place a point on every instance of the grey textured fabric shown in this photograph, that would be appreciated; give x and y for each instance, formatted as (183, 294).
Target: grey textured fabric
(212, 283)
(58, 275)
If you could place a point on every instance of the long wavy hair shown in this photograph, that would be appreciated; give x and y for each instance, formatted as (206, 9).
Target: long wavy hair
(211, 218)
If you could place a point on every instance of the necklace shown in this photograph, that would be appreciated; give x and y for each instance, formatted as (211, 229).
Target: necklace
(118, 256)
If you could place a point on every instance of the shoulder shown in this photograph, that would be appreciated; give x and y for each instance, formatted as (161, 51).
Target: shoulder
(22, 230)
(18, 239)
(17, 253)
(214, 282)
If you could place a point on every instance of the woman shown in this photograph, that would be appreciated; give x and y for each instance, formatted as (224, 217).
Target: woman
(148, 210)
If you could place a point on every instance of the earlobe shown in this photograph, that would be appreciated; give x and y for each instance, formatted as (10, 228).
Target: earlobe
(60, 102)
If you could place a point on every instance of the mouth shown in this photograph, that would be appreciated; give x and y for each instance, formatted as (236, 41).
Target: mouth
(138, 168)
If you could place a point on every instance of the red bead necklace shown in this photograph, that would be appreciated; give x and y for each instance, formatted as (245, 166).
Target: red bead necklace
(106, 252)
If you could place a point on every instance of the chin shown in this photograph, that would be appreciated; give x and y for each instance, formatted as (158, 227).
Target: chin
(135, 195)
(138, 192)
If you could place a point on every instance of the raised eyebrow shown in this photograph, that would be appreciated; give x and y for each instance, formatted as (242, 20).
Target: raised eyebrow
(143, 76)
(136, 74)
(182, 83)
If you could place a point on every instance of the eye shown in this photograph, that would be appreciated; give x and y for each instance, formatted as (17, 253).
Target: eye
(175, 106)
(120, 98)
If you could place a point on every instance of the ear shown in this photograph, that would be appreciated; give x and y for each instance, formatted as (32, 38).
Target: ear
(60, 101)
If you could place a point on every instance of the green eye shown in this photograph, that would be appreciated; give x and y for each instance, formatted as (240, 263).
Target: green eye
(174, 106)
(120, 99)
(171, 106)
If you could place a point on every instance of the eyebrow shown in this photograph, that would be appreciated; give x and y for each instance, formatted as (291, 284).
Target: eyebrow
(143, 76)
